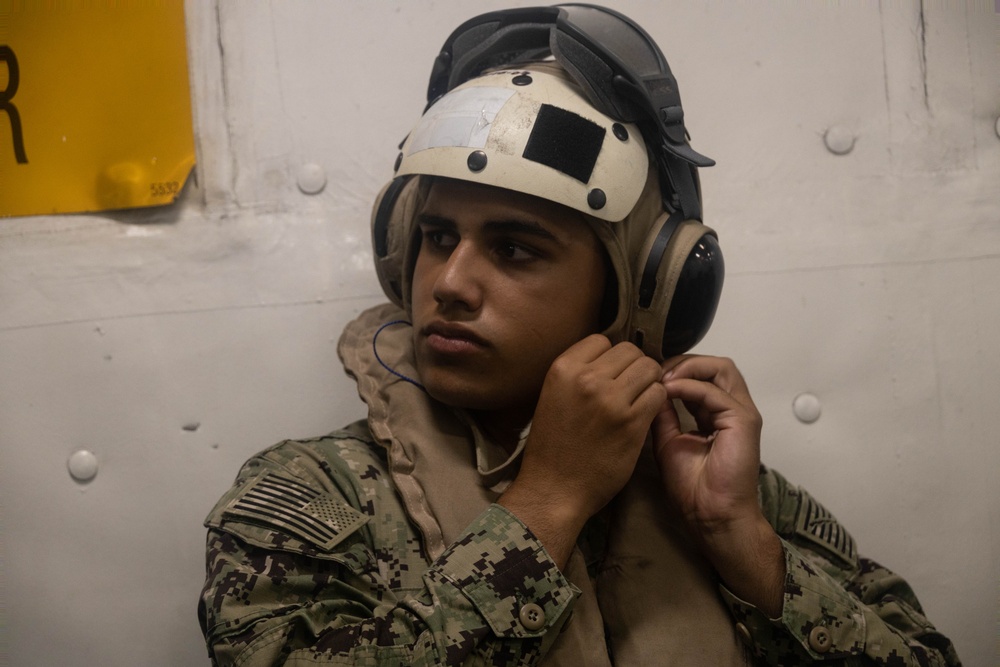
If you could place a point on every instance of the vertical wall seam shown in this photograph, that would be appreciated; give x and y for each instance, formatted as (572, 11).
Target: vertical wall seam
(923, 54)
(972, 90)
(224, 76)
(885, 82)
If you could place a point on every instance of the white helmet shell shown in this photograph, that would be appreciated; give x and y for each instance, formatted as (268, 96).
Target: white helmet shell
(531, 131)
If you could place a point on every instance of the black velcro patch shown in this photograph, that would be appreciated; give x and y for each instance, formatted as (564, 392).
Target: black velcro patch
(816, 524)
(292, 507)
(565, 141)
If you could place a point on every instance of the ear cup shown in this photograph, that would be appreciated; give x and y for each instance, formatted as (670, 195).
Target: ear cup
(696, 297)
(394, 208)
(678, 281)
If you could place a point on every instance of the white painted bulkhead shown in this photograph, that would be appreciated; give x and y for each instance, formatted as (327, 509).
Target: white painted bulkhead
(857, 197)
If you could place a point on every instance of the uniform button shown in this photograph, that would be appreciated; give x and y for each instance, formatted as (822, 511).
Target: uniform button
(820, 640)
(532, 617)
(744, 634)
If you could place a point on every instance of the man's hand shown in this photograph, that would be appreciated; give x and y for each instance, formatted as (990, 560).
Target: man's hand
(592, 417)
(710, 475)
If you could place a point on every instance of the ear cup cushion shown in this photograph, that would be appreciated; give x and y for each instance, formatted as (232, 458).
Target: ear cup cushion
(392, 214)
(674, 311)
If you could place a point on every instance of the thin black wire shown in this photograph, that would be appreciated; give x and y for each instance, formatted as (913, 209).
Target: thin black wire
(384, 365)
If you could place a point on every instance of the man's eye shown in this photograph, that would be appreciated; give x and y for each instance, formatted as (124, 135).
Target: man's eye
(440, 238)
(514, 251)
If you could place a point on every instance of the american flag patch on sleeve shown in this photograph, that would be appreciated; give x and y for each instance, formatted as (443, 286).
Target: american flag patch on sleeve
(292, 507)
(816, 524)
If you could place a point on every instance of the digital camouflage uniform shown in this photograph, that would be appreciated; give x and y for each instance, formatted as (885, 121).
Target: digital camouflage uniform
(313, 558)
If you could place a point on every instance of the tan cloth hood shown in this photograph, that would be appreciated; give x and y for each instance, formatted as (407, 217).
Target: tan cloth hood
(432, 448)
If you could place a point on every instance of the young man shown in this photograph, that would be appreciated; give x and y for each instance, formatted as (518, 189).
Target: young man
(532, 484)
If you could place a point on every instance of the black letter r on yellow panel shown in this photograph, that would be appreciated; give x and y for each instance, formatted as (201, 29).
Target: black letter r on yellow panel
(6, 95)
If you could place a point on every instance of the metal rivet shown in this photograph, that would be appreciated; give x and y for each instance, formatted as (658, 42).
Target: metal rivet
(476, 161)
(521, 80)
(619, 131)
(806, 408)
(312, 178)
(596, 199)
(82, 466)
(399, 161)
(839, 140)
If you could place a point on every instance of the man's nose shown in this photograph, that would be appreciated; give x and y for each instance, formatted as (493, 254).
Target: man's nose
(460, 281)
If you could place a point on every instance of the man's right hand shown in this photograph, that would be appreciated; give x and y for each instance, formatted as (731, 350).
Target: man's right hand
(594, 411)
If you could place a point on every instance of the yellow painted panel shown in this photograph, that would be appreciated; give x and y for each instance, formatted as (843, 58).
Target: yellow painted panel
(95, 105)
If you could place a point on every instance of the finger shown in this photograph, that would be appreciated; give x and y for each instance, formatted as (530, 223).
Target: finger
(650, 401)
(587, 350)
(704, 395)
(638, 377)
(667, 422)
(670, 364)
(619, 359)
(719, 371)
(715, 409)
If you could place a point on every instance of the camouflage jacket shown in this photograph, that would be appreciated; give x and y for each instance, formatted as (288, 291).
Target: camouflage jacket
(382, 545)
(312, 560)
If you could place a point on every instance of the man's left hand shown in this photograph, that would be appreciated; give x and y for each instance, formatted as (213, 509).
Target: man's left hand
(710, 475)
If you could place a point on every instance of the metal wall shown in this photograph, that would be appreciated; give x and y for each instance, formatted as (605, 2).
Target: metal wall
(857, 196)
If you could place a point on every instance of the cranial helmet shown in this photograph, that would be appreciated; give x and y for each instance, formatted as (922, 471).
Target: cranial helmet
(598, 127)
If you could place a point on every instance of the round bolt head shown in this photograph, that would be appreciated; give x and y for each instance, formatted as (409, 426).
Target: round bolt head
(82, 466)
(312, 178)
(806, 408)
(839, 140)
(476, 161)
(596, 199)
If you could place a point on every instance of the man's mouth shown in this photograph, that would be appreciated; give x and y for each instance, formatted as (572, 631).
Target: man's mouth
(452, 338)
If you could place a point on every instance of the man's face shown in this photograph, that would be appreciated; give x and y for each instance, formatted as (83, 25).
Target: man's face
(504, 282)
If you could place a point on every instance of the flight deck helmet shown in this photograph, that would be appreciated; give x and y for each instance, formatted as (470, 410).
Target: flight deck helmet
(574, 104)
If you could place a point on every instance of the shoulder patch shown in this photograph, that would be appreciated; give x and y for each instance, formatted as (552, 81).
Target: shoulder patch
(815, 523)
(284, 503)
